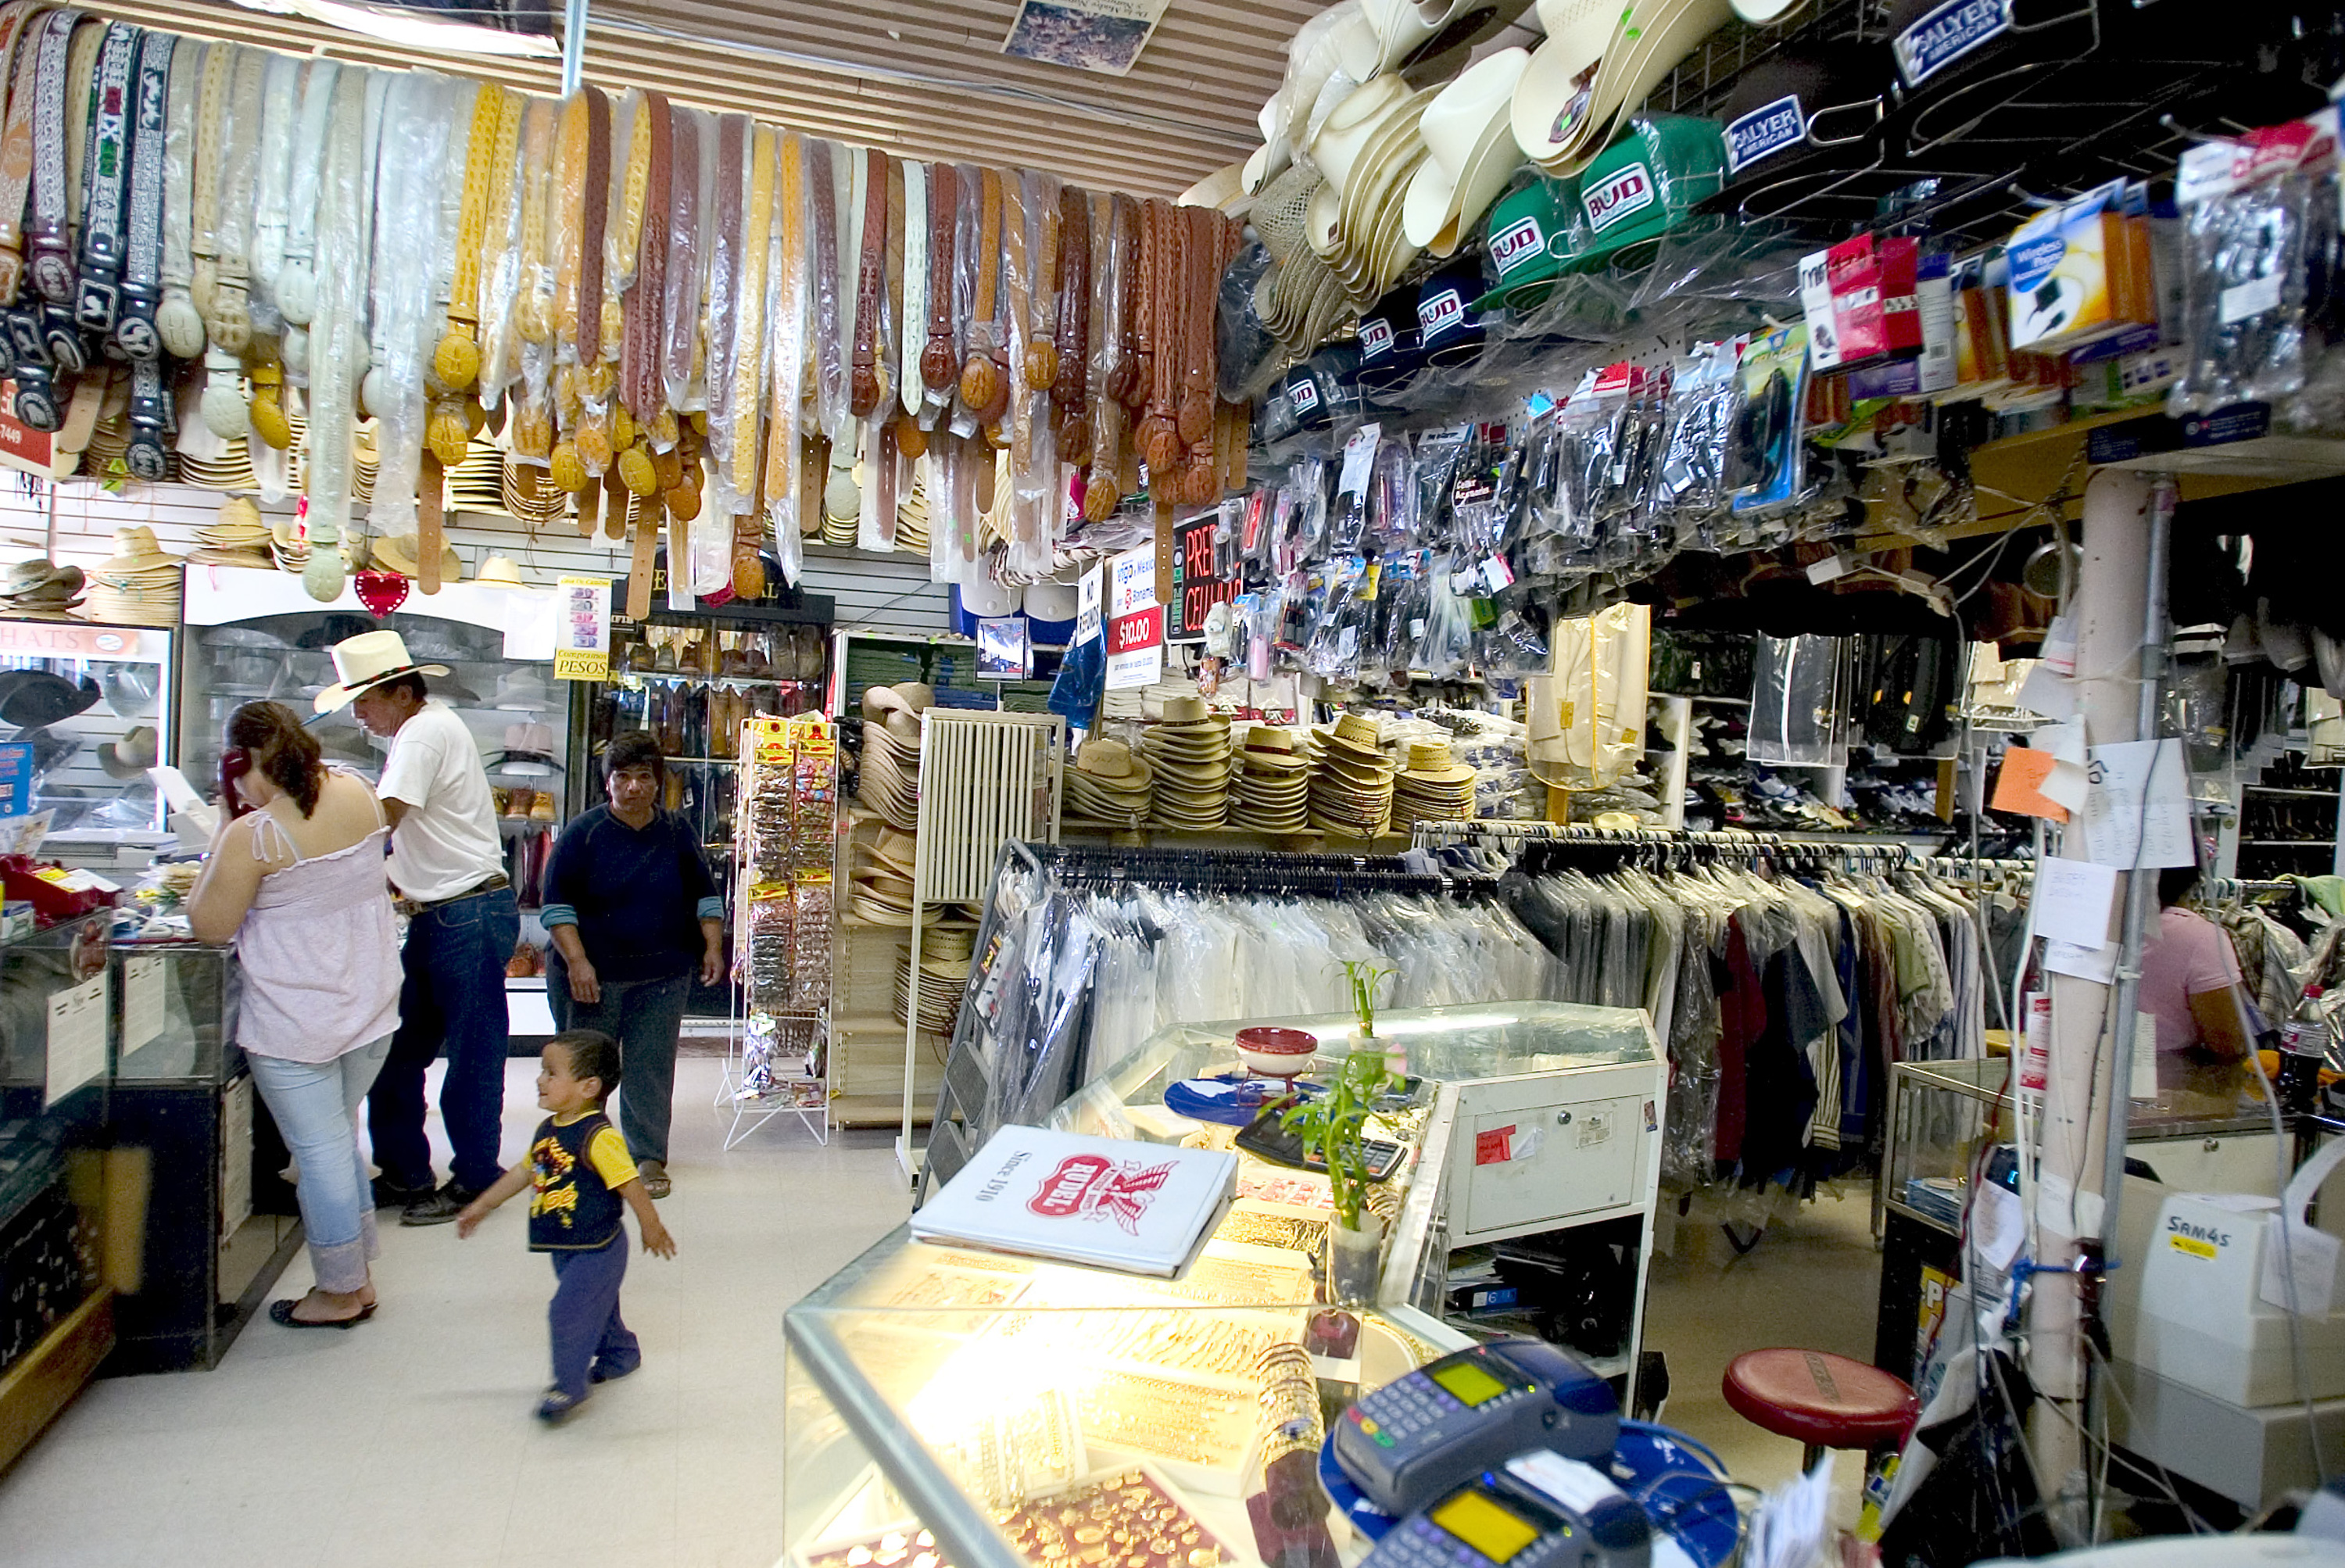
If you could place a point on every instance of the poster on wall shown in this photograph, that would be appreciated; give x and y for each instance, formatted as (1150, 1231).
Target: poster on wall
(1103, 35)
(582, 648)
(1205, 573)
(1135, 623)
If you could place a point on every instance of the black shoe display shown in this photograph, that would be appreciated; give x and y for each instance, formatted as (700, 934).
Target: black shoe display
(438, 1207)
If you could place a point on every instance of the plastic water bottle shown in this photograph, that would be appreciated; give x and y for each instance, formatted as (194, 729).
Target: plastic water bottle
(2304, 1051)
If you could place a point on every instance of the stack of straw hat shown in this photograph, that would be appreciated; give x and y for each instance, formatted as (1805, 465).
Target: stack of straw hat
(399, 552)
(1272, 786)
(42, 590)
(946, 951)
(287, 547)
(237, 536)
(912, 513)
(1190, 752)
(890, 783)
(1352, 786)
(879, 881)
(1109, 790)
(140, 584)
(1434, 787)
(529, 493)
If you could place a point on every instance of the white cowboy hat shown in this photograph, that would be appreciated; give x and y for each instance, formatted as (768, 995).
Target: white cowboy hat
(367, 660)
(1382, 34)
(1468, 137)
(1666, 32)
(1551, 98)
(1351, 124)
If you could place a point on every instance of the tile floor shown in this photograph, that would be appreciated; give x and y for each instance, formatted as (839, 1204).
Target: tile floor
(407, 1442)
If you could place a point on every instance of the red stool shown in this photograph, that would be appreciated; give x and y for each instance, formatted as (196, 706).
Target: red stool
(1823, 1399)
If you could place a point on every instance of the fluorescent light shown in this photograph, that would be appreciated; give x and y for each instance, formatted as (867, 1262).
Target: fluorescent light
(411, 29)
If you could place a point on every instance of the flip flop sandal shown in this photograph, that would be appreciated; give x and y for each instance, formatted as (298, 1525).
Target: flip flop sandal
(282, 1312)
(657, 1186)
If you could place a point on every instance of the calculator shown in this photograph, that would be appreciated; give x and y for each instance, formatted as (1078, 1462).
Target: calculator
(1422, 1436)
(1538, 1509)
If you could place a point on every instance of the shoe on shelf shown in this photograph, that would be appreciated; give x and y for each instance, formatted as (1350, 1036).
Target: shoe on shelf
(388, 1194)
(438, 1207)
(556, 1407)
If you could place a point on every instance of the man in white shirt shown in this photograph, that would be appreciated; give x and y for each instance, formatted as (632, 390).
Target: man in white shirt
(447, 862)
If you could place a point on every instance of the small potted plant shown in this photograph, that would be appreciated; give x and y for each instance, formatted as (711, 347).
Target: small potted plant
(1366, 980)
(1332, 1126)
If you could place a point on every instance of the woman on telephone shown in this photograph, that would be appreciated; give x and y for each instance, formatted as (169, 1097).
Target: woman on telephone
(295, 882)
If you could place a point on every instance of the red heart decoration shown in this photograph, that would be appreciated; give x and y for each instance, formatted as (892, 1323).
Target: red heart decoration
(380, 591)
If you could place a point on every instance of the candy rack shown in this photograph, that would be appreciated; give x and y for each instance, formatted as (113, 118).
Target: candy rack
(783, 854)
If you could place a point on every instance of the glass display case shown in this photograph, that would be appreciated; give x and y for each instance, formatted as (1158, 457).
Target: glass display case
(219, 1221)
(949, 1406)
(95, 703)
(57, 1320)
(255, 635)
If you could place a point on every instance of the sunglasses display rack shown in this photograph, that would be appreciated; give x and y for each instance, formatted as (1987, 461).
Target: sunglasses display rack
(784, 918)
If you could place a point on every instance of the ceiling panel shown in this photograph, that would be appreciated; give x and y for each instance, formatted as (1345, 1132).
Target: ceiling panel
(920, 80)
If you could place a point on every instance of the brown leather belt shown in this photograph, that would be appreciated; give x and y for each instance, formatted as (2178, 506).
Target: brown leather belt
(646, 301)
(1071, 391)
(939, 368)
(864, 389)
(495, 884)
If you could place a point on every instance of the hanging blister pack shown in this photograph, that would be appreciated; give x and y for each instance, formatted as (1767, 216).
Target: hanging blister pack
(1692, 487)
(1337, 630)
(2253, 211)
(1347, 515)
(1439, 455)
(1768, 473)
(1482, 494)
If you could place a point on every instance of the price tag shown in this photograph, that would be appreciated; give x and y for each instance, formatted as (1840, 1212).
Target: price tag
(1359, 458)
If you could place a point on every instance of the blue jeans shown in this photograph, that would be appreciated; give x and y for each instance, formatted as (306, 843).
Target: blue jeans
(645, 1016)
(316, 1104)
(583, 1316)
(454, 999)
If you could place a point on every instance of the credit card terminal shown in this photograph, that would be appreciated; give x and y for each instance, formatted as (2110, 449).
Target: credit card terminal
(1538, 1511)
(1422, 1436)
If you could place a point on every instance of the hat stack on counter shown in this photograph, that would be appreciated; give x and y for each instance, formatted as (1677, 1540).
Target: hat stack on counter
(237, 536)
(1269, 791)
(1189, 751)
(138, 585)
(1434, 787)
(889, 781)
(1352, 785)
(1109, 790)
(42, 590)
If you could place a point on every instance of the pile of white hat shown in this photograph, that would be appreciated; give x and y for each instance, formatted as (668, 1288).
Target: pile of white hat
(890, 780)
(1352, 786)
(1190, 753)
(1271, 790)
(1383, 144)
(138, 585)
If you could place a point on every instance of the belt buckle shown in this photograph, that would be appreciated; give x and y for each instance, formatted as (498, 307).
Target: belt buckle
(145, 458)
(134, 322)
(62, 334)
(36, 403)
(94, 306)
(24, 330)
(53, 270)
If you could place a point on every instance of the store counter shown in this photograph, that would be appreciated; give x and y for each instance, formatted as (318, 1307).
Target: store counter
(947, 1405)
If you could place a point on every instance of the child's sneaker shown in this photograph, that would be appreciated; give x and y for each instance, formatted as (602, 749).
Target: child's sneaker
(556, 1407)
(603, 1371)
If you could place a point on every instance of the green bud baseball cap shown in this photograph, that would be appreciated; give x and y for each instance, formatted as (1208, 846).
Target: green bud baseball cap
(1534, 233)
(1647, 183)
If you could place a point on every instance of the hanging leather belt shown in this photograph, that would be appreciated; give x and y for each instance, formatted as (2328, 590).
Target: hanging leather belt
(1068, 392)
(912, 318)
(81, 76)
(870, 290)
(681, 313)
(596, 214)
(457, 361)
(48, 256)
(20, 56)
(272, 187)
(639, 362)
(177, 321)
(822, 281)
(133, 323)
(784, 398)
(939, 367)
(732, 137)
(212, 101)
(748, 349)
(105, 176)
(501, 253)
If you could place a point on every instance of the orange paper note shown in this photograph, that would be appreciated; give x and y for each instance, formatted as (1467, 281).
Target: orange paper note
(2020, 785)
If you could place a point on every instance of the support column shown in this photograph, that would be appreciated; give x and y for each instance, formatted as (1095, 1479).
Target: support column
(2114, 610)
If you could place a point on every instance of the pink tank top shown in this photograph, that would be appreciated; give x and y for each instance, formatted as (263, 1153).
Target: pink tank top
(320, 952)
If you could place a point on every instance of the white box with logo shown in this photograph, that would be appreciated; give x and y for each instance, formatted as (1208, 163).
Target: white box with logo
(2204, 1320)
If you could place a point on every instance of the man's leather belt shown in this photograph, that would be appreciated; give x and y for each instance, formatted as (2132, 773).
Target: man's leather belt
(495, 884)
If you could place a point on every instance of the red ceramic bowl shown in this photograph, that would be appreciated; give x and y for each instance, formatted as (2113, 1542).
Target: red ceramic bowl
(1276, 1053)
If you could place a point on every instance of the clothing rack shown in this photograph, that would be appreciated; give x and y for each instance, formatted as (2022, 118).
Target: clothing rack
(1234, 871)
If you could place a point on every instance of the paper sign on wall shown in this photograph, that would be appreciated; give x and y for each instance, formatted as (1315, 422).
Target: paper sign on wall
(1135, 648)
(2139, 814)
(1131, 581)
(2019, 787)
(1089, 591)
(582, 646)
(2073, 899)
(77, 1020)
(2098, 964)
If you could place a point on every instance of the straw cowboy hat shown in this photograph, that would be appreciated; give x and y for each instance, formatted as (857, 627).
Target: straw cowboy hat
(131, 756)
(499, 572)
(1110, 764)
(367, 661)
(1468, 134)
(400, 553)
